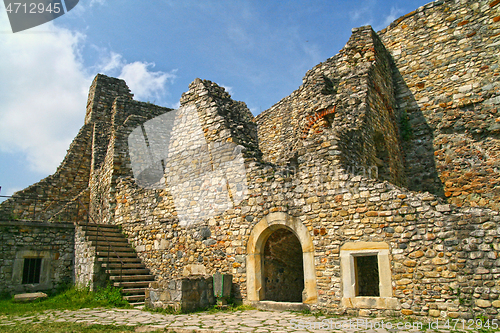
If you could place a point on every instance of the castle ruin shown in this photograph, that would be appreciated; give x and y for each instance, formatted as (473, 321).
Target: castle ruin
(373, 188)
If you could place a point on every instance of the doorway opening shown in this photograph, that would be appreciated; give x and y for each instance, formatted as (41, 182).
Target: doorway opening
(283, 267)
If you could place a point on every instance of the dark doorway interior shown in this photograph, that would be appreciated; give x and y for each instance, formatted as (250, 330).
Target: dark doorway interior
(367, 277)
(283, 267)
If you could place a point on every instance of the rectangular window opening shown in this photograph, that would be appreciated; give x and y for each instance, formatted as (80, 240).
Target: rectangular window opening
(367, 275)
(31, 271)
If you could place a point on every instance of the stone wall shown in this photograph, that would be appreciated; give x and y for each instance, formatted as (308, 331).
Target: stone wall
(185, 294)
(53, 242)
(446, 53)
(326, 186)
(88, 270)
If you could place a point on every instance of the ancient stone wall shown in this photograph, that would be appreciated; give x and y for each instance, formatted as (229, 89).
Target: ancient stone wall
(88, 272)
(446, 53)
(211, 140)
(52, 242)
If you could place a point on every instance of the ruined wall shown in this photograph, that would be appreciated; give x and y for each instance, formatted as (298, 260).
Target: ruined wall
(54, 196)
(351, 92)
(53, 242)
(447, 54)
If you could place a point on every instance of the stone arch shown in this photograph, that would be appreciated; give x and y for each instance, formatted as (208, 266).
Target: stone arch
(255, 248)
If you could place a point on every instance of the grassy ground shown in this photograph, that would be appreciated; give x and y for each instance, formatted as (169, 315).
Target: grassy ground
(69, 299)
(210, 310)
(65, 328)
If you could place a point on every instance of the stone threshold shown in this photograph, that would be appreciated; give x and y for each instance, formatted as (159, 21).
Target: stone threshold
(279, 306)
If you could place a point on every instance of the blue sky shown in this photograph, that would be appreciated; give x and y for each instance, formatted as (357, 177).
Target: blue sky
(258, 50)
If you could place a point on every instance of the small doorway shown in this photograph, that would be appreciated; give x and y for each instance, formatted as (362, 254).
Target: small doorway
(367, 276)
(283, 267)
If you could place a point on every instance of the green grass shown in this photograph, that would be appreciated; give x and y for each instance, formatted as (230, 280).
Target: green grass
(65, 328)
(229, 308)
(69, 299)
(212, 309)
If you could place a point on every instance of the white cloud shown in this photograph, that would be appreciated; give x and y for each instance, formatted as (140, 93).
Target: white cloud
(110, 62)
(44, 87)
(96, 2)
(145, 84)
(42, 92)
(363, 12)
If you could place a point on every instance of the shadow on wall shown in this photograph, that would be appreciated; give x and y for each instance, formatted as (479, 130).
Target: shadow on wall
(416, 140)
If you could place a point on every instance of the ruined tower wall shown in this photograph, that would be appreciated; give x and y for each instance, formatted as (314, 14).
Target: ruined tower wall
(447, 54)
(125, 115)
(351, 92)
(102, 94)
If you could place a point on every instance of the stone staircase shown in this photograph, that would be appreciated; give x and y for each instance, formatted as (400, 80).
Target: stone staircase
(119, 261)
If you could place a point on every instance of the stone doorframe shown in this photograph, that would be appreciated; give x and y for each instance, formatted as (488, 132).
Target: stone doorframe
(255, 255)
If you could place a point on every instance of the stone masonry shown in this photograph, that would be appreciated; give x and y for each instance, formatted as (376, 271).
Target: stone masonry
(384, 161)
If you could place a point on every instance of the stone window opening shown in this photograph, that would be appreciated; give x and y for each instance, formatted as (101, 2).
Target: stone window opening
(366, 276)
(32, 270)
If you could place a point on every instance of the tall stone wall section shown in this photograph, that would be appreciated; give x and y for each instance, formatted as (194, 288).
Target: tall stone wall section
(446, 53)
(171, 227)
(126, 114)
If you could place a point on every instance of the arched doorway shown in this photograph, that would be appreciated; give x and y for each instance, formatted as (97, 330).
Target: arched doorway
(261, 233)
(283, 267)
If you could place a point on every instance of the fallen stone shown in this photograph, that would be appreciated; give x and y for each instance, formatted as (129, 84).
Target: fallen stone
(30, 297)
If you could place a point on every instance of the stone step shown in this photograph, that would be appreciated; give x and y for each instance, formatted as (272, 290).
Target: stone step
(117, 234)
(132, 284)
(138, 278)
(92, 226)
(125, 265)
(113, 254)
(120, 261)
(101, 229)
(120, 244)
(117, 260)
(128, 271)
(279, 306)
(134, 291)
(106, 239)
(114, 249)
(135, 298)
